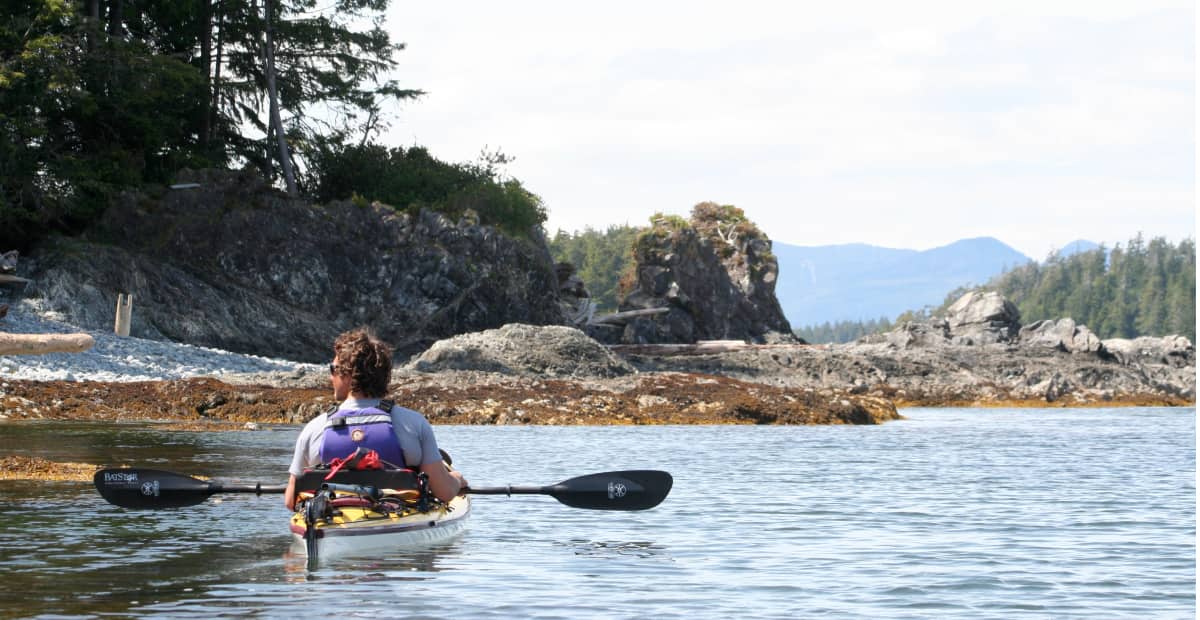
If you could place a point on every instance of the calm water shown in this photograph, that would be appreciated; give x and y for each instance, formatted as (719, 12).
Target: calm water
(951, 513)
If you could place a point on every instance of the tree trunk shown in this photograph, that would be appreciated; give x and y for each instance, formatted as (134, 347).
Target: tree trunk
(93, 26)
(205, 66)
(215, 107)
(114, 18)
(285, 159)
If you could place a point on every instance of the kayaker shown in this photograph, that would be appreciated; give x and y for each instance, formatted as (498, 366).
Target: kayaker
(361, 371)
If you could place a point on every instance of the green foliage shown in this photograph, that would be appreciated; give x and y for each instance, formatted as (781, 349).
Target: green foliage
(603, 260)
(411, 179)
(711, 212)
(726, 222)
(661, 222)
(84, 116)
(842, 331)
(1142, 289)
(661, 227)
(89, 107)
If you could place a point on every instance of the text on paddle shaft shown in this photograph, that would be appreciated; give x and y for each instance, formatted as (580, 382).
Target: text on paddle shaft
(121, 477)
(616, 490)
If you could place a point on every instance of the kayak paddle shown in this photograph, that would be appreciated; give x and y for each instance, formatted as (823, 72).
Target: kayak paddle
(616, 490)
(153, 488)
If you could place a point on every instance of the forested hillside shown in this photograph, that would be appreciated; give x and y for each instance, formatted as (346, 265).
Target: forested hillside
(100, 96)
(601, 260)
(842, 331)
(1140, 289)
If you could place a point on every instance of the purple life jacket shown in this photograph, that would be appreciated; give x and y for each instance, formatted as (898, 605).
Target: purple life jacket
(370, 428)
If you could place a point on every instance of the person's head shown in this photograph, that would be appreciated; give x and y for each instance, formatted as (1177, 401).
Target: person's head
(362, 365)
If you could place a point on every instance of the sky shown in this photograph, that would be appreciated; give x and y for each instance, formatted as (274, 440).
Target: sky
(901, 124)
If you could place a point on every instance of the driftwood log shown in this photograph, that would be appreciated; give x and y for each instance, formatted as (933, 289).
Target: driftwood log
(704, 347)
(38, 344)
(622, 317)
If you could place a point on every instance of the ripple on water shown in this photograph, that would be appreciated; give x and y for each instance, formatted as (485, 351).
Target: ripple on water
(998, 513)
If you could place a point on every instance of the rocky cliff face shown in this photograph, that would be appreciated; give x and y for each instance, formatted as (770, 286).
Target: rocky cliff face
(715, 276)
(235, 265)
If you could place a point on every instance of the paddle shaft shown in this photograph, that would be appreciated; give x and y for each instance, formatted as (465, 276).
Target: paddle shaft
(619, 490)
(258, 489)
(511, 490)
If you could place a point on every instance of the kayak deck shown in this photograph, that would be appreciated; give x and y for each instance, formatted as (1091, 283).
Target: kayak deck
(355, 520)
(354, 529)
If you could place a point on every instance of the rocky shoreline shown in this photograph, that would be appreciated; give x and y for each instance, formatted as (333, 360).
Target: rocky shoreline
(523, 374)
(555, 375)
(451, 398)
(215, 294)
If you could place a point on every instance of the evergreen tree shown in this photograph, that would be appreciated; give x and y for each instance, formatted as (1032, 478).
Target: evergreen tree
(100, 95)
(601, 259)
(842, 331)
(1141, 289)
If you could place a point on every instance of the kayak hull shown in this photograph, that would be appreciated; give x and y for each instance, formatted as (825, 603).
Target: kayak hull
(353, 534)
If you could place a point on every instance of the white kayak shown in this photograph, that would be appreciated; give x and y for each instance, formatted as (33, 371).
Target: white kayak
(362, 514)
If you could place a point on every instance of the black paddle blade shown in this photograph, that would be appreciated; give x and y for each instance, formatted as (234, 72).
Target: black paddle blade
(614, 490)
(150, 488)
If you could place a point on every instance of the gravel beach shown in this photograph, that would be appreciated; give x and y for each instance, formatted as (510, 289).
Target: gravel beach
(127, 359)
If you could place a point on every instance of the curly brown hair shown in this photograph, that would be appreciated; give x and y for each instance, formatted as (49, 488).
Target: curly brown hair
(364, 358)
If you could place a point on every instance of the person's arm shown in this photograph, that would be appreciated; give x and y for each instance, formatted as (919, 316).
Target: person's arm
(289, 496)
(444, 483)
(300, 460)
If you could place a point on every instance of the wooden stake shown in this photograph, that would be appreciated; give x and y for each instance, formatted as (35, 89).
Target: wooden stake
(124, 314)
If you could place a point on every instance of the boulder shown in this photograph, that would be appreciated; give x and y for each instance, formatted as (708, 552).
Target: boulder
(1063, 334)
(983, 318)
(524, 350)
(1174, 351)
(8, 261)
(918, 334)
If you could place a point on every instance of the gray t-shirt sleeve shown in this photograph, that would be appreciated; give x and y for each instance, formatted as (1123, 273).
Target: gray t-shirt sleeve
(416, 437)
(307, 453)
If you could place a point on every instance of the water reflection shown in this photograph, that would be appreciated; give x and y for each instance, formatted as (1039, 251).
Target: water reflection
(600, 548)
(398, 565)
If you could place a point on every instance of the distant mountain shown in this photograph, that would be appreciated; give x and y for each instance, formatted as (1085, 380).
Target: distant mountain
(1075, 247)
(859, 282)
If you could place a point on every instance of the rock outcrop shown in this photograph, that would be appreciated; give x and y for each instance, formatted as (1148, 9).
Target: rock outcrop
(524, 350)
(1172, 351)
(714, 274)
(236, 265)
(982, 318)
(985, 318)
(1063, 335)
(573, 297)
(978, 354)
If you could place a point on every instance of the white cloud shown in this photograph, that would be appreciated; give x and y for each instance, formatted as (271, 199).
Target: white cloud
(890, 123)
